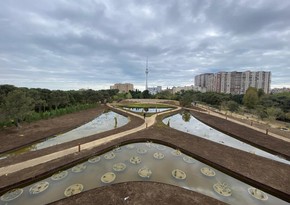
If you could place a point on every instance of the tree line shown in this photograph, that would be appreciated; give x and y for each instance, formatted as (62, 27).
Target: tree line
(24, 104)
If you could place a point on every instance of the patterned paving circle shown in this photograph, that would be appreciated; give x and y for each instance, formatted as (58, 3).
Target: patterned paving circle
(158, 155)
(141, 151)
(135, 160)
(94, 159)
(39, 187)
(59, 175)
(188, 160)
(108, 177)
(145, 172)
(222, 189)
(110, 155)
(73, 189)
(119, 167)
(178, 174)
(11, 195)
(207, 171)
(258, 194)
(176, 152)
(79, 168)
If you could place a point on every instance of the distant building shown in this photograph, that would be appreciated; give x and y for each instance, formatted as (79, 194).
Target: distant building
(185, 88)
(155, 90)
(122, 87)
(234, 82)
(280, 90)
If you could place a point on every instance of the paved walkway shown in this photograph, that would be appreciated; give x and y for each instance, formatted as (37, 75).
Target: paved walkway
(241, 123)
(149, 121)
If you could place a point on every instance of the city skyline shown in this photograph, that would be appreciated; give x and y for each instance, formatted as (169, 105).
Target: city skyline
(94, 44)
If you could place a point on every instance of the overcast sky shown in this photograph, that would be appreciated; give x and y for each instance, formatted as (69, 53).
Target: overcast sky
(65, 44)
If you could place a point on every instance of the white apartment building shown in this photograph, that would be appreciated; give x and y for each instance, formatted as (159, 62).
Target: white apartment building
(155, 90)
(234, 82)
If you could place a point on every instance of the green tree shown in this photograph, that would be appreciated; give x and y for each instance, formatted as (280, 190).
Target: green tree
(17, 105)
(233, 106)
(251, 98)
(273, 113)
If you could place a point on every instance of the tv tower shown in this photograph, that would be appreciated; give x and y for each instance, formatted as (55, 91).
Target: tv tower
(146, 72)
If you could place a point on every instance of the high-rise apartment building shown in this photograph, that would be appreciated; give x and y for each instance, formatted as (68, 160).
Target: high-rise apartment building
(122, 87)
(234, 82)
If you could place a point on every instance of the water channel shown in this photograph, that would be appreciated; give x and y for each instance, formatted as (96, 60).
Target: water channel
(185, 122)
(107, 121)
(140, 162)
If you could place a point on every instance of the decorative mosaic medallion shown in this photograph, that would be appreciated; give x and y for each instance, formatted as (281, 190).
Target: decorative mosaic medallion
(178, 174)
(188, 160)
(258, 194)
(222, 189)
(73, 189)
(161, 147)
(79, 168)
(11, 195)
(59, 175)
(176, 152)
(145, 172)
(39, 187)
(119, 167)
(207, 171)
(108, 177)
(110, 155)
(141, 151)
(94, 159)
(135, 160)
(130, 146)
(158, 155)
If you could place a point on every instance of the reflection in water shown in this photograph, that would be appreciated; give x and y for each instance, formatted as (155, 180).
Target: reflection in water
(197, 128)
(147, 110)
(140, 162)
(106, 121)
(186, 116)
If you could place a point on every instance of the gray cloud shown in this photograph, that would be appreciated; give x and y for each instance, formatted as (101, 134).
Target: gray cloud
(61, 44)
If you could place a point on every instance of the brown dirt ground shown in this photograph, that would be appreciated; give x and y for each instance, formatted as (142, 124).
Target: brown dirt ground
(268, 175)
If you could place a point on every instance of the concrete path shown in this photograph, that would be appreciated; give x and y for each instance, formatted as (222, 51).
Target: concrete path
(149, 121)
(210, 112)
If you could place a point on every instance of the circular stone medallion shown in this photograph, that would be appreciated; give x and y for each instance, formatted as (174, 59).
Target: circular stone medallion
(207, 171)
(141, 151)
(158, 155)
(144, 172)
(178, 174)
(79, 168)
(39, 187)
(188, 160)
(135, 160)
(148, 144)
(11, 195)
(258, 194)
(108, 177)
(119, 167)
(176, 152)
(130, 146)
(94, 159)
(73, 189)
(59, 175)
(222, 189)
(110, 155)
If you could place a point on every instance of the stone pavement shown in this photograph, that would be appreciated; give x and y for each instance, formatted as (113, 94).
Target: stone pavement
(148, 122)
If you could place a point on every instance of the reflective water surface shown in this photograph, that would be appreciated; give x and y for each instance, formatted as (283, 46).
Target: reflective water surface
(107, 121)
(140, 162)
(147, 110)
(187, 123)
